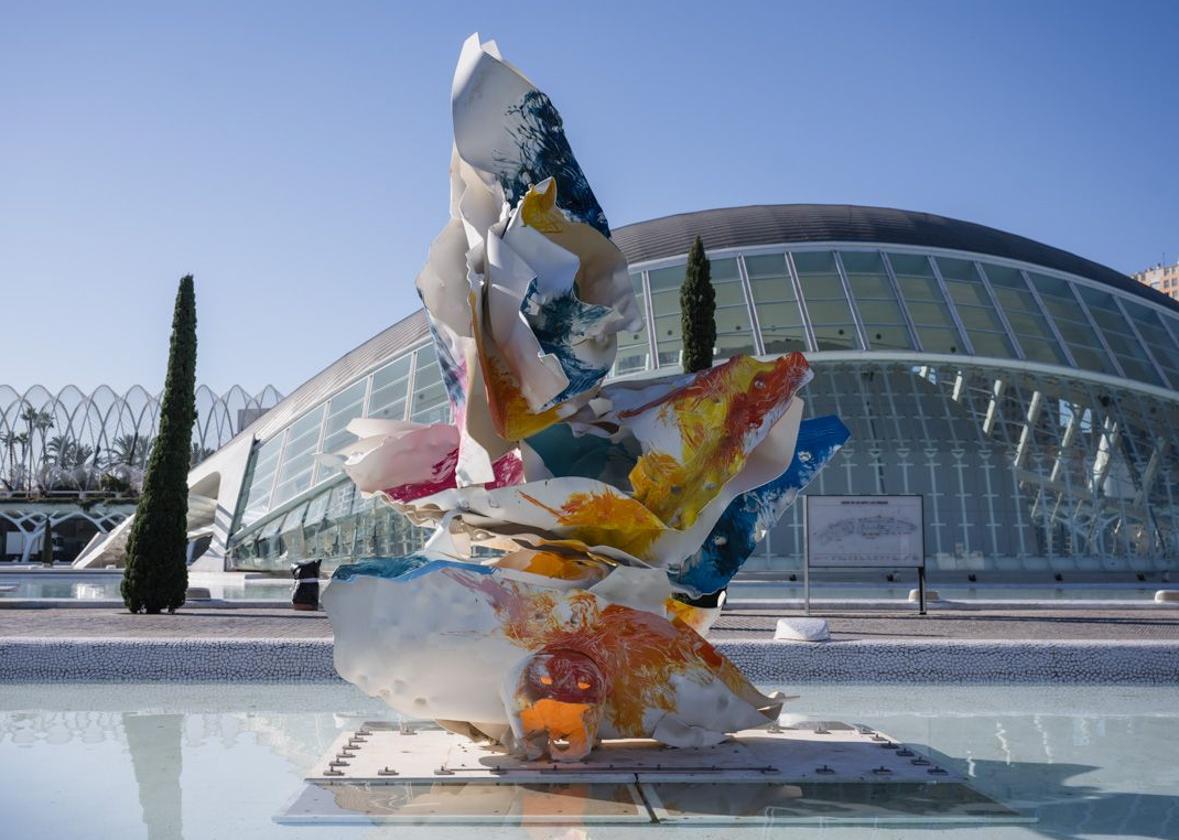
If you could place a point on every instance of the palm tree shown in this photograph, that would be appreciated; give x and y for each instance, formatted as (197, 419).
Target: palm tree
(130, 450)
(60, 450)
(9, 441)
(44, 424)
(199, 453)
(39, 421)
(22, 441)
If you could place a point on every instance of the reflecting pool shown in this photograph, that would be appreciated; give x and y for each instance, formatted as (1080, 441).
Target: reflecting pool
(215, 760)
(104, 585)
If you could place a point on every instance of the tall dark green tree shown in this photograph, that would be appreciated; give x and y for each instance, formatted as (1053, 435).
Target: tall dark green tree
(698, 311)
(156, 574)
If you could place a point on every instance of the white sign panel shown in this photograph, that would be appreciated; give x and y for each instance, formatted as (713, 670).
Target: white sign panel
(865, 531)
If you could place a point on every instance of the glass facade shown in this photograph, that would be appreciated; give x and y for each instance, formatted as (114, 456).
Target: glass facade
(1020, 471)
(1000, 400)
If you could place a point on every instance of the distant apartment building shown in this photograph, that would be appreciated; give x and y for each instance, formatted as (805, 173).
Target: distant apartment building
(1164, 278)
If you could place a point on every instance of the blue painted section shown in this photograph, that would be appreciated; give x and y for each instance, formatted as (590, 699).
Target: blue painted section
(402, 569)
(542, 151)
(733, 538)
(588, 456)
(451, 370)
(559, 323)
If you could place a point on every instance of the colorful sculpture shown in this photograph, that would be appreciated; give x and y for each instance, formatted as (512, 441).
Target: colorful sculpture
(577, 525)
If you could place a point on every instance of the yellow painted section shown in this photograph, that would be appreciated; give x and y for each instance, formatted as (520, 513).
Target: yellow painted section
(732, 399)
(539, 209)
(606, 519)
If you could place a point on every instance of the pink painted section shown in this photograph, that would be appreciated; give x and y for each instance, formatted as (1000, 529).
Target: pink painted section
(508, 469)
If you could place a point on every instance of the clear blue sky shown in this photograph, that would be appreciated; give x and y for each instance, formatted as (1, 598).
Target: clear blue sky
(293, 155)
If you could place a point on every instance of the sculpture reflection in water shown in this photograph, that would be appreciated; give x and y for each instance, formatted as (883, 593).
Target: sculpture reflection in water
(580, 527)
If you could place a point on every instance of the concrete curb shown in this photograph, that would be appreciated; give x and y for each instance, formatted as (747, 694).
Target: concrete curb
(774, 662)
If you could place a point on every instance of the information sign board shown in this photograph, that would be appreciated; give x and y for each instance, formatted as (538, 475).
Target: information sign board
(877, 532)
(865, 531)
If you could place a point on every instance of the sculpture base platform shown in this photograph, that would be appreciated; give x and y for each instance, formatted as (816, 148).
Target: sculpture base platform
(813, 772)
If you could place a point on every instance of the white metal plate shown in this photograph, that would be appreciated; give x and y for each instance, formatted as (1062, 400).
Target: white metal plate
(817, 751)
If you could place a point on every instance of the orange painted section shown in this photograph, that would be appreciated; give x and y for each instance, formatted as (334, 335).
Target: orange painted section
(637, 652)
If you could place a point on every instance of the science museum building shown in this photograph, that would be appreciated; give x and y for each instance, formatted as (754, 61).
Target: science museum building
(1028, 394)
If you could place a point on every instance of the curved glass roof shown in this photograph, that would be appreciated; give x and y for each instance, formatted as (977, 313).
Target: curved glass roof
(770, 224)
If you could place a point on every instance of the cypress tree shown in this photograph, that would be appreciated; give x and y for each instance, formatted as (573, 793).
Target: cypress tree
(156, 574)
(698, 311)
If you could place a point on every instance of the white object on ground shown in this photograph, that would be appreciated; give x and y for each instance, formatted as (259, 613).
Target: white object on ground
(802, 630)
(930, 595)
(1167, 596)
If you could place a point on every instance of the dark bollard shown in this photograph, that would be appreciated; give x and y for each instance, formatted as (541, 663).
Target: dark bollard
(306, 592)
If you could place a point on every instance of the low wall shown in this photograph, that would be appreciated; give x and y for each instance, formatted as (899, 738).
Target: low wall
(765, 662)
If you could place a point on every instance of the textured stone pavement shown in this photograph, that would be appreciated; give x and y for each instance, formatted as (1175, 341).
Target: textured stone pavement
(284, 623)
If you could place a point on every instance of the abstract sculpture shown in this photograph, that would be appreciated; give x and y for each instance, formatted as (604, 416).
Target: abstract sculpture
(576, 524)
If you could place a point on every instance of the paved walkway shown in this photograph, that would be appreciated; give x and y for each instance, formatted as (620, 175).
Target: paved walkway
(284, 623)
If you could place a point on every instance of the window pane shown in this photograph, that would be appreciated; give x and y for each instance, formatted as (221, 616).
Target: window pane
(298, 458)
(814, 262)
(830, 314)
(732, 345)
(633, 350)
(918, 288)
(665, 303)
(939, 340)
(935, 314)
(959, 270)
(388, 390)
(1150, 324)
(1039, 350)
(910, 265)
(991, 344)
(1070, 320)
(395, 371)
(828, 311)
(881, 312)
(1119, 335)
(733, 331)
(430, 401)
(723, 271)
(888, 337)
(836, 337)
(968, 293)
(1023, 314)
(772, 266)
(666, 278)
(257, 500)
(976, 317)
(777, 309)
(342, 409)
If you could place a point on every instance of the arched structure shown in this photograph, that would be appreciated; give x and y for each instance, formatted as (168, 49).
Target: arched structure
(76, 458)
(59, 443)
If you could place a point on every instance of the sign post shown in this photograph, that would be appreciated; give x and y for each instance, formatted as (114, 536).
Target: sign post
(806, 550)
(880, 532)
